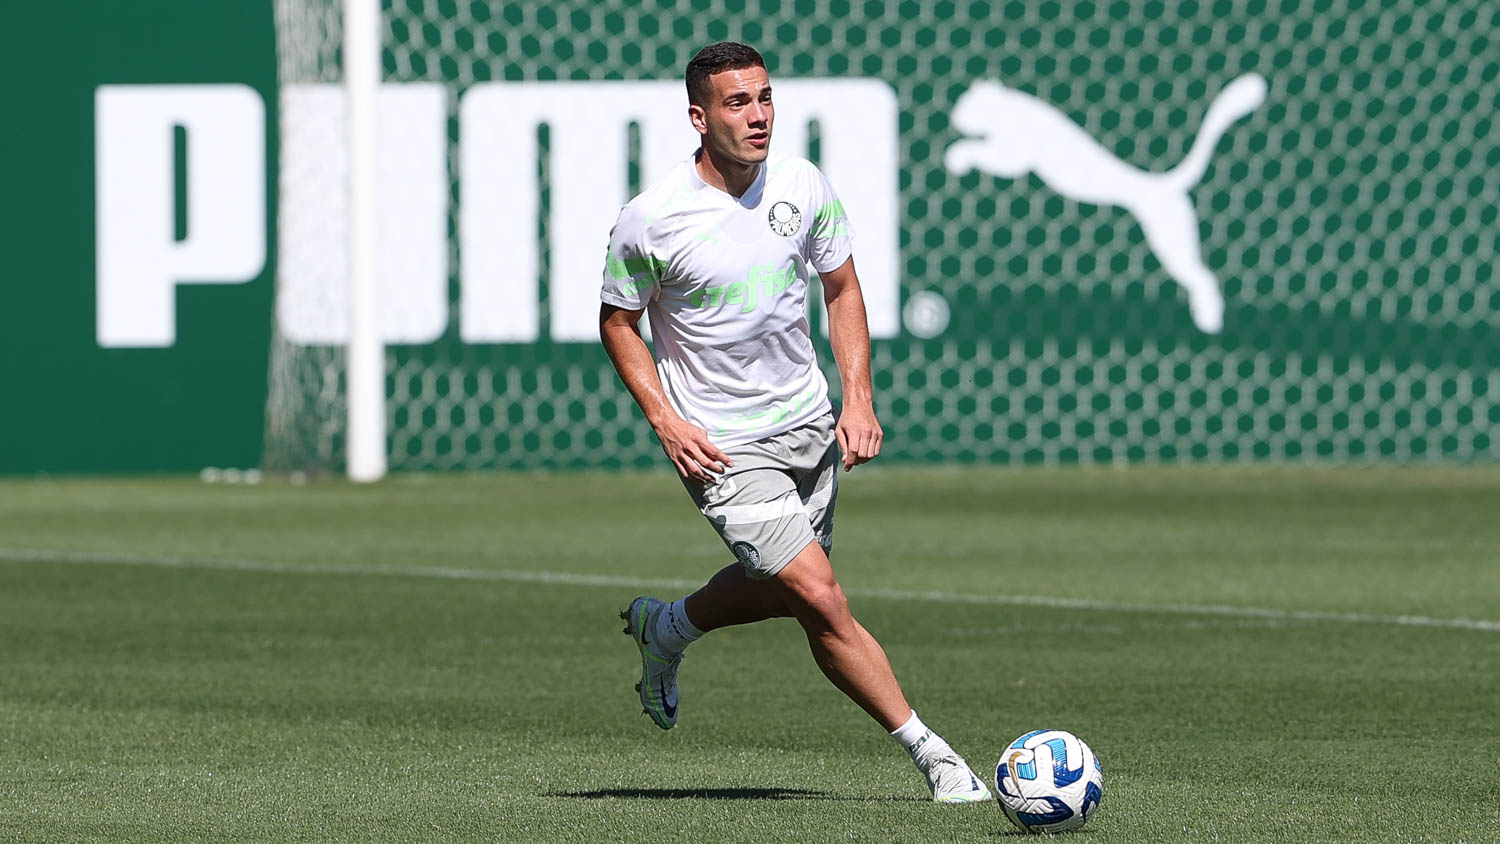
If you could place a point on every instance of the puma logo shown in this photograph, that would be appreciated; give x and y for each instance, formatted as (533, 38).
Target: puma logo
(1012, 133)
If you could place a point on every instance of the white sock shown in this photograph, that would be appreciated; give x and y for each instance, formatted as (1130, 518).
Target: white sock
(918, 740)
(674, 631)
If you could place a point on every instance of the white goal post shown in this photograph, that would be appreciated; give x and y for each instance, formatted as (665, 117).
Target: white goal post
(366, 352)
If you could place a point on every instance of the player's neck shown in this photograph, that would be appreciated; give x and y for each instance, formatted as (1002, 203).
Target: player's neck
(726, 174)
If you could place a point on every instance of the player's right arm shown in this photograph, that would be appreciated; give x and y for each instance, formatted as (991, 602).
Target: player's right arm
(633, 275)
(686, 445)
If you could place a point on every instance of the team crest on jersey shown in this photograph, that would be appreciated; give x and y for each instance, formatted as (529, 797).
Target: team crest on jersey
(785, 219)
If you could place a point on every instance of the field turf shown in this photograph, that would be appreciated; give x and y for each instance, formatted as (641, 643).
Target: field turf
(1256, 654)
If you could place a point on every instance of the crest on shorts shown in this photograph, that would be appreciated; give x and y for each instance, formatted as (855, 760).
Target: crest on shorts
(746, 553)
(785, 219)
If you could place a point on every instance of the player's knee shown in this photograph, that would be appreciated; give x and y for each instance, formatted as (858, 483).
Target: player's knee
(827, 608)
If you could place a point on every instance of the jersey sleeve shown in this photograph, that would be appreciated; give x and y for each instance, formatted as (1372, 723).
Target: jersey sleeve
(831, 240)
(632, 273)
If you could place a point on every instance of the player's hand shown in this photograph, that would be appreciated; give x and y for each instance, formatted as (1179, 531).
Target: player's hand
(690, 450)
(859, 435)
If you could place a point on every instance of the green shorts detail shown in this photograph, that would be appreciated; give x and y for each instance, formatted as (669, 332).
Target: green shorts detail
(776, 498)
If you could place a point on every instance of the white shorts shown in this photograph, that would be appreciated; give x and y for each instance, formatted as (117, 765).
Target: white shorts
(776, 498)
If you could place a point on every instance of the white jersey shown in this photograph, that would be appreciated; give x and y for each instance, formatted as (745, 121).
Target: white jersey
(723, 281)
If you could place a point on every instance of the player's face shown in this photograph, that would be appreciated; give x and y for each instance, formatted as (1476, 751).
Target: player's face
(736, 120)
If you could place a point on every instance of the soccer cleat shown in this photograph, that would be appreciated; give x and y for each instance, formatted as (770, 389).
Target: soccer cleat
(658, 685)
(951, 781)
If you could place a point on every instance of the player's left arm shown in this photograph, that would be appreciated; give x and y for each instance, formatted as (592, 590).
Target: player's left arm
(858, 431)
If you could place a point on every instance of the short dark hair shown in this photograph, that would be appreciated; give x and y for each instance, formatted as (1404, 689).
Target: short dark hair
(717, 58)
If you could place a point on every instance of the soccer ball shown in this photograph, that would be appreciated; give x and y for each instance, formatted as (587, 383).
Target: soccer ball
(1049, 781)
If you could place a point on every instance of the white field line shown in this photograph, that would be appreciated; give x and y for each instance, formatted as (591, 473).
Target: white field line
(39, 555)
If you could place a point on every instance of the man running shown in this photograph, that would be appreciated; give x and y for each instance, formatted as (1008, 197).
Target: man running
(717, 255)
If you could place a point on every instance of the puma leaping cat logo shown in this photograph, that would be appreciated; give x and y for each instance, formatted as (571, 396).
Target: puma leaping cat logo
(1013, 133)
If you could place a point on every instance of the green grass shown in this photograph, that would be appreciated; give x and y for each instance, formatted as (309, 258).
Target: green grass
(438, 658)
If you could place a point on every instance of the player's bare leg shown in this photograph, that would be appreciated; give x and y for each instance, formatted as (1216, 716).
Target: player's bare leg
(844, 650)
(732, 597)
(847, 654)
(662, 630)
(854, 662)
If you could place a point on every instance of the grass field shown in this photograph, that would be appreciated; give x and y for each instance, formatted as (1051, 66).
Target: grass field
(1255, 655)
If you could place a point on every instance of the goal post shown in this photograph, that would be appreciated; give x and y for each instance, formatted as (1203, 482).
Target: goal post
(366, 355)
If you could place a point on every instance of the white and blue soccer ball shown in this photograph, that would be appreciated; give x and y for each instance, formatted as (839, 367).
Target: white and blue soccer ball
(1049, 781)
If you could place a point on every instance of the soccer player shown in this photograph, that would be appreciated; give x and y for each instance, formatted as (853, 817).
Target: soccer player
(717, 256)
